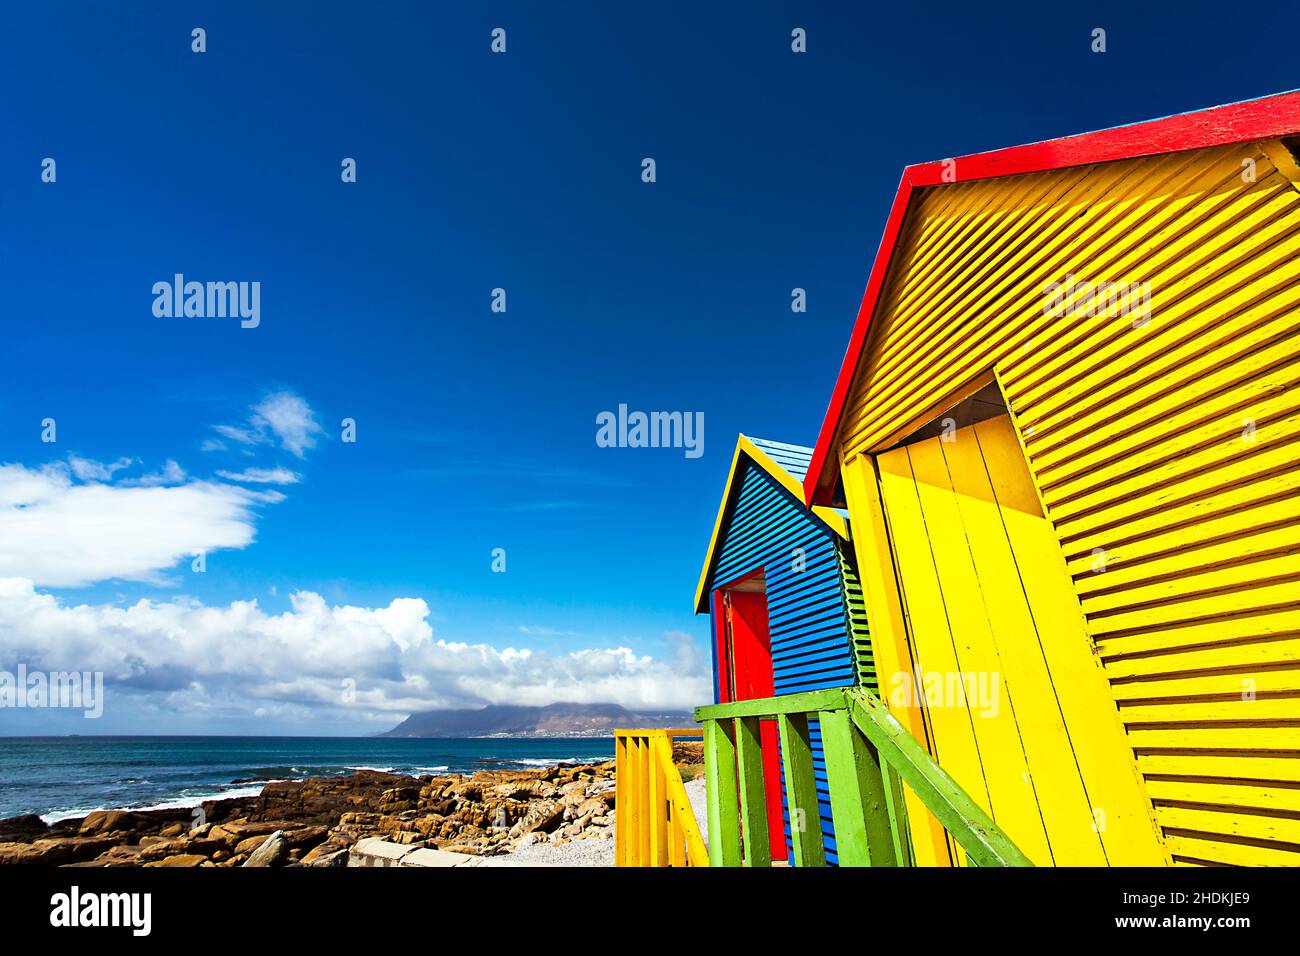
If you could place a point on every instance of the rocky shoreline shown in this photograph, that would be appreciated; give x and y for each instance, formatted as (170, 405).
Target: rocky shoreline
(316, 821)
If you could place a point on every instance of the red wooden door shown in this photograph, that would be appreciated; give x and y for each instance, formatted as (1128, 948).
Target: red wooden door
(745, 673)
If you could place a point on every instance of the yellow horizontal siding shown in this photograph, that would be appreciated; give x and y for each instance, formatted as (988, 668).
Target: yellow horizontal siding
(1223, 794)
(1221, 681)
(1250, 655)
(1210, 764)
(1215, 850)
(1167, 455)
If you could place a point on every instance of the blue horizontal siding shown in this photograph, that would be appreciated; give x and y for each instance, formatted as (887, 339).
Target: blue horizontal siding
(793, 459)
(807, 619)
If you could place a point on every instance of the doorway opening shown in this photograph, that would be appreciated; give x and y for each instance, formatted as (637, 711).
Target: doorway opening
(745, 672)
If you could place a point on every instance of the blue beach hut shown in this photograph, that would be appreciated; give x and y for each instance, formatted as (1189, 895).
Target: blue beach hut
(786, 607)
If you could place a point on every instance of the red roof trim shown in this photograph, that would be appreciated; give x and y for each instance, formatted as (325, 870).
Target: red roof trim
(1264, 118)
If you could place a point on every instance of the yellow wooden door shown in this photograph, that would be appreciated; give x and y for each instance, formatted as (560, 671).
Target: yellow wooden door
(1014, 698)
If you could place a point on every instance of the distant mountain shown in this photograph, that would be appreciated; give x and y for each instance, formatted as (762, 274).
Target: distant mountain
(553, 720)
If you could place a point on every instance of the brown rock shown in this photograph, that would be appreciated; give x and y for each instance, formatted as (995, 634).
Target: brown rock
(121, 855)
(272, 852)
(688, 751)
(473, 849)
(323, 800)
(22, 829)
(359, 819)
(237, 831)
(250, 844)
(395, 798)
(180, 859)
(54, 851)
(180, 845)
(525, 789)
(466, 791)
(435, 788)
(484, 778)
(161, 849)
(428, 825)
(295, 839)
(494, 813)
(333, 852)
(107, 821)
(304, 838)
(543, 817)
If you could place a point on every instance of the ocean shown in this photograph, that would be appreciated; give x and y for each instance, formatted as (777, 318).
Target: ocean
(60, 777)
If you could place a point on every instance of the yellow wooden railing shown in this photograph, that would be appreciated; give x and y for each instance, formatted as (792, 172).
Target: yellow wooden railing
(654, 824)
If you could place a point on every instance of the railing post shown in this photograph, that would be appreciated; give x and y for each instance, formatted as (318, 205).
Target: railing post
(622, 787)
(642, 800)
(801, 791)
(634, 818)
(753, 792)
(676, 838)
(656, 812)
(859, 807)
(688, 846)
(720, 784)
(676, 849)
(629, 812)
(897, 805)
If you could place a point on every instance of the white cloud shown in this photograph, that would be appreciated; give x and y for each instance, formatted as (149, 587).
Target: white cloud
(171, 474)
(290, 419)
(192, 658)
(281, 417)
(87, 469)
(262, 476)
(62, 532)
(242, 435)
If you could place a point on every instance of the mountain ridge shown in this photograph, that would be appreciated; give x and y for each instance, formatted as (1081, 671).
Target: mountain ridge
(561, 719)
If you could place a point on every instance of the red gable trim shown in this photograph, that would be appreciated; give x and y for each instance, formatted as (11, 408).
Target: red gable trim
(1265, 118)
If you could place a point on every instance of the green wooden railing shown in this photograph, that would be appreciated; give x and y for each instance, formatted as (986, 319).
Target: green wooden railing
(870, 756)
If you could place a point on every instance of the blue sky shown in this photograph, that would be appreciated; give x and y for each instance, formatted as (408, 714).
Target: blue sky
(475, 429)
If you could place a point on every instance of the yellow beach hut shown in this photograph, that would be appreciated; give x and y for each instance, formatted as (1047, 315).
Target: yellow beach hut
(1067, 432)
